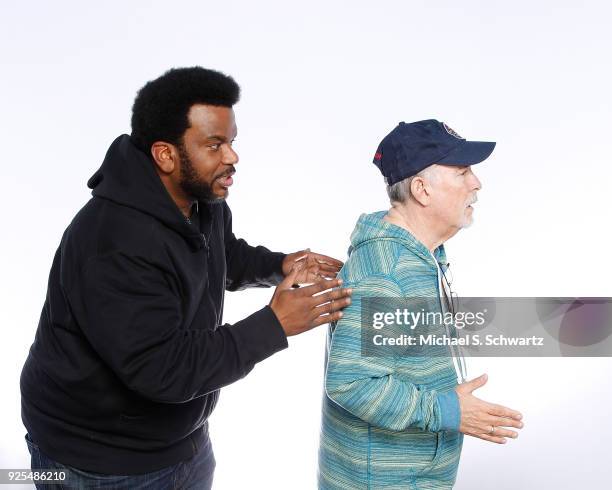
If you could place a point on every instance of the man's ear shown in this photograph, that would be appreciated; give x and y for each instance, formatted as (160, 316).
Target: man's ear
(420, 190)
(165, 156)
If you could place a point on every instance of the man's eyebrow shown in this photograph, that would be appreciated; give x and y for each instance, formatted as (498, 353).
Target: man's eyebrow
(218, 137)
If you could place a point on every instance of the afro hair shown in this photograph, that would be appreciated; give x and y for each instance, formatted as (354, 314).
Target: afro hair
(161, 107)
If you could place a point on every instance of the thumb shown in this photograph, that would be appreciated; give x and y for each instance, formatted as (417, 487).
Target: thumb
(301, 255)
(478, 382)
(291, 278)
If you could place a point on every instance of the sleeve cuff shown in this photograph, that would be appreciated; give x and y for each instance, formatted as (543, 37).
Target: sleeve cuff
(450, 414)
(261, 335)
(277, 267)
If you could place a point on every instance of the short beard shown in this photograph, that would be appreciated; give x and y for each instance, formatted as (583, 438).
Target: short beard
(467, 222)
(190, 182)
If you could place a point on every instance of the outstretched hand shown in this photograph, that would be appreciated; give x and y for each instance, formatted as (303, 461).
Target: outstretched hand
(299, 310)
(315, 267)
(485, 420)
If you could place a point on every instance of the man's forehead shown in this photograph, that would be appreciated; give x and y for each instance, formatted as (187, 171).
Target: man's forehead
(209, 120)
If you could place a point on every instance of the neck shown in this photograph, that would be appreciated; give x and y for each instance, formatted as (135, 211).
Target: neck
(186, 208)
(417, 224)
(180, 198)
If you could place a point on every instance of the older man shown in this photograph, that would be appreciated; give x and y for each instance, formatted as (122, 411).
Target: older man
(394, 421)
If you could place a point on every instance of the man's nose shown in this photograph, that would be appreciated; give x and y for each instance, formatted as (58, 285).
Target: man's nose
(477, 183)
(230, 157)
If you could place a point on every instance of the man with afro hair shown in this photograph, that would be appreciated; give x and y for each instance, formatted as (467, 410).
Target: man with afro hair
(131, 351)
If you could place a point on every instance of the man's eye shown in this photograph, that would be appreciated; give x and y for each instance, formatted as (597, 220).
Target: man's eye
(214, 147)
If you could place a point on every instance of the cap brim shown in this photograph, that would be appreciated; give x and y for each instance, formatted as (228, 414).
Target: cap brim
(468, 153)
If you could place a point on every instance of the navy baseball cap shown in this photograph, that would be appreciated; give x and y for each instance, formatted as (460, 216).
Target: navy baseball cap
(411, 147)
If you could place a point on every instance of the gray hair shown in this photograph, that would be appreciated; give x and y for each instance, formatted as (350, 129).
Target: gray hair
(400, 191)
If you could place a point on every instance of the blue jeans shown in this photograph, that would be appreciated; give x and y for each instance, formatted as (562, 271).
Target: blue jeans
(196, 472)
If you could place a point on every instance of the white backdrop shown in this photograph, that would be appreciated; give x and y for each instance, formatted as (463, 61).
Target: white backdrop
(322, 83)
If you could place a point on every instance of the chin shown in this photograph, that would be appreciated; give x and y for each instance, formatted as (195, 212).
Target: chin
(468, 218)
(213, 197)
(467, 222)
(220, 192)
(216, 198)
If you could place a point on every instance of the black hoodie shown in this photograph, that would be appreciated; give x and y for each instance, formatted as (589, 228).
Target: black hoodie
(130, 351)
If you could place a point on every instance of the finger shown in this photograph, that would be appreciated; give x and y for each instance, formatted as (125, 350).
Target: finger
(505, 422)
(321, 269)
(501, 411)
(301, 255)
(328, 275)
(313, 270)
(335, 294)
(319, 286)
(475, 383)
(494, 427)
(320, 320)
(495, 439)
(501, 432)
(332, 306)
(329, 268)
(326, 260)
(291, 278)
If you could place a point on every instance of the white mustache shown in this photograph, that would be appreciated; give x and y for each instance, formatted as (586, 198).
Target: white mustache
(473, 200)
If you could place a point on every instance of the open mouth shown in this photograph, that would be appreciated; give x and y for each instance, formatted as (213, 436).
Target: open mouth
(226, 180)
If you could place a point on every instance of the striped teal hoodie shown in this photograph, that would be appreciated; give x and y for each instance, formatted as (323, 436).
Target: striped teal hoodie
(388, 422)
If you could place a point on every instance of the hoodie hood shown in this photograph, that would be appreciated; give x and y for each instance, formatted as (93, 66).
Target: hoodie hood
(127, 177)
(373, 227)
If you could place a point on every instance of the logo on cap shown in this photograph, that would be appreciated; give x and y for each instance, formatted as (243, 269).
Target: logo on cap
(451, 131)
